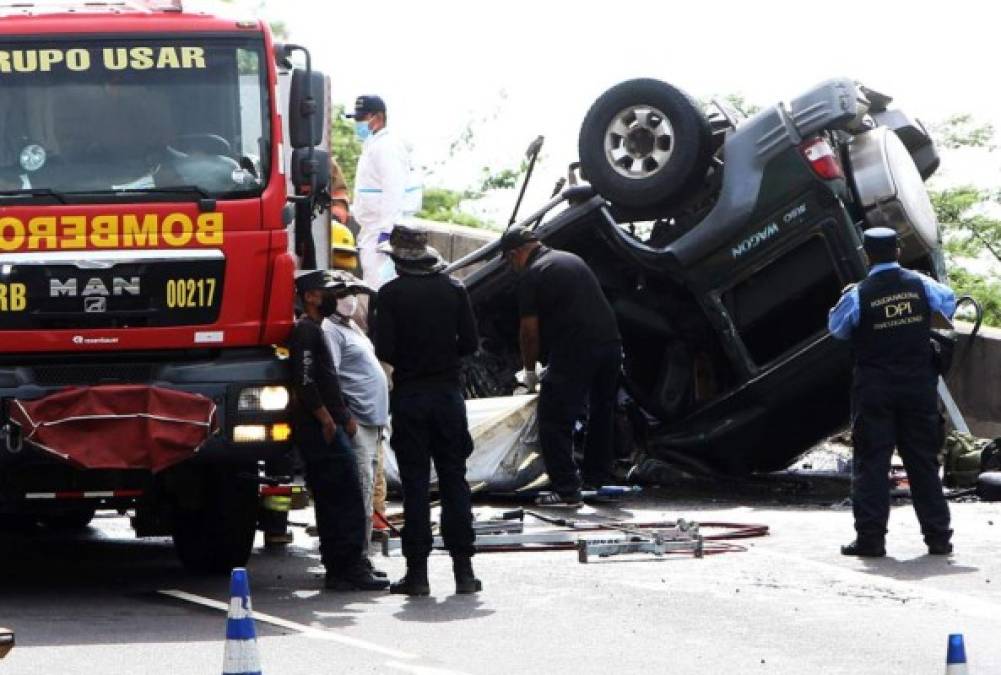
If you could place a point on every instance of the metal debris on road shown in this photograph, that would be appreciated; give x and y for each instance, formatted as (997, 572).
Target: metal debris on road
(6, 641)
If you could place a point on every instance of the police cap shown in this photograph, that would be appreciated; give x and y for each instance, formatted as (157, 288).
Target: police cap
(880, 240)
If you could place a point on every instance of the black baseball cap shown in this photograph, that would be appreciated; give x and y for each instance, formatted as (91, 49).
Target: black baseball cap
(515, 237)
(365, 105)
(314, 280)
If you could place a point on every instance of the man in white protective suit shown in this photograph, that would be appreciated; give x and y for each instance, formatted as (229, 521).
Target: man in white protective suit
(387, 190)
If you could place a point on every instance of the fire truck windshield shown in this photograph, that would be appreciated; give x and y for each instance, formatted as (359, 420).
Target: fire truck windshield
(118, 117)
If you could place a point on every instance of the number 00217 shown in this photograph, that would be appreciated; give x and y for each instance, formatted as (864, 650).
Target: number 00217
(190, 293)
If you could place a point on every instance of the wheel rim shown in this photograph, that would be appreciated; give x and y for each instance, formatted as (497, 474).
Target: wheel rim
(639, 141)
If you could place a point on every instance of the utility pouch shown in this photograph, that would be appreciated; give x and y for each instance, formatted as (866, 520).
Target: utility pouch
(943, 345)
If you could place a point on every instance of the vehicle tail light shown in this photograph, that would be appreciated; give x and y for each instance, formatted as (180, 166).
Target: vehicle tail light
(822, 160)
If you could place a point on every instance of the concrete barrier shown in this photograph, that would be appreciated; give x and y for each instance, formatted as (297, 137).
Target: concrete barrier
(974, 380)
(456, 241)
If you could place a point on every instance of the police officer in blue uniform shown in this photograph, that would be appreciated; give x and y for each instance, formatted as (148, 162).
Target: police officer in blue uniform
(887, 316)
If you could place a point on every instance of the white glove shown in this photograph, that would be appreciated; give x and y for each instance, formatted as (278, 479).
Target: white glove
(528, 379)
(388, 369)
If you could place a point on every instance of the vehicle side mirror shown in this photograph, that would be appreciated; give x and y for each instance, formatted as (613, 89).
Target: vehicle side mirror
(310, 170)
(305, 115)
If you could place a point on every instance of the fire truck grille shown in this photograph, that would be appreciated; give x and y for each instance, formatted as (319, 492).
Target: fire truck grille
(87, 373)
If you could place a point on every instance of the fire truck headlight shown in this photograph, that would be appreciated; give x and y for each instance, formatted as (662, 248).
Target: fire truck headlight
(255, 399)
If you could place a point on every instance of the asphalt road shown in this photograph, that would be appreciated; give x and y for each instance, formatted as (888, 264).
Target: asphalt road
(789, 604)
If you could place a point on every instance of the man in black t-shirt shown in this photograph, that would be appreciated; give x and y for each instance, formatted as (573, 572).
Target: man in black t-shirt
(423, 326)
(321, 427)
(565, 315)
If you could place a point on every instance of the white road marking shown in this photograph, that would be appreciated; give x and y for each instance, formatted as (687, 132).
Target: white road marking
(308, 631)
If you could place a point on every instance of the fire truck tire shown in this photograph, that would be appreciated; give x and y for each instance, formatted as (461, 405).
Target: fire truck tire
(219, 535)
(77, 519)
(16, 522)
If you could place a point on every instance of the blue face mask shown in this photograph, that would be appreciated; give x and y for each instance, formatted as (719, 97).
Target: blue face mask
(362, 130)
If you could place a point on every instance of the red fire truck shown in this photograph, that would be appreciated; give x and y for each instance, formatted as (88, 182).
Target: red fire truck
(147, 251)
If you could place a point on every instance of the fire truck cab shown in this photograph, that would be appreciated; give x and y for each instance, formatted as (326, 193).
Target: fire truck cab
(156, 167)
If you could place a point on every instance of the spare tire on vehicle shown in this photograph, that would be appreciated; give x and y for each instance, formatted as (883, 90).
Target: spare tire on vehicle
(643, 143)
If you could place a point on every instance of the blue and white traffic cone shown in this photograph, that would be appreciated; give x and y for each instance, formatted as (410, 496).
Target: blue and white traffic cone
(240, 656)
(955, 658)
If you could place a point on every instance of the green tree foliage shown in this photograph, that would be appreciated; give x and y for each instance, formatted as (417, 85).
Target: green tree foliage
(970, 232)
(344, 144)
(442, 205)
(967, 215)
(742, 105)
(963, 213)
(963, 131)
(985, 290)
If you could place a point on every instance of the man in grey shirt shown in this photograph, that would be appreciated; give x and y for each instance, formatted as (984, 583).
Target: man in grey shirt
(364, 386)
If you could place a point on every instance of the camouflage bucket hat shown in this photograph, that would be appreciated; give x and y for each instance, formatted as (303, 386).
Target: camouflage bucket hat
(410, 245)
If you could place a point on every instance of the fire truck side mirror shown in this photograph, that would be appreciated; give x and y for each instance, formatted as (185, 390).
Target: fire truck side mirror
(305, 115)
(310, 170)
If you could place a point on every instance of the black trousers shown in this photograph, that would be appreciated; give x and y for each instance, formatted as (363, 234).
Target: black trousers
(904, 417)
(583, 376)
(332, 478)
(432, 426)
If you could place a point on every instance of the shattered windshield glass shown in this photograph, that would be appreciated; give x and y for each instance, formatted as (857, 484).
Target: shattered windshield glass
(133, 115)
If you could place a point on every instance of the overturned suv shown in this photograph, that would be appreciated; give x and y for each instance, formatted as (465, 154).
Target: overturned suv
(722, 241)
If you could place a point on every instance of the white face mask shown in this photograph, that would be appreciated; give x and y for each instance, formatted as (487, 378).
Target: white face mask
(347, 306)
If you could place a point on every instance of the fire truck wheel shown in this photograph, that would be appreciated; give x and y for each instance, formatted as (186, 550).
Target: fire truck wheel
(218, 536)
(16, 522)
(77, 519)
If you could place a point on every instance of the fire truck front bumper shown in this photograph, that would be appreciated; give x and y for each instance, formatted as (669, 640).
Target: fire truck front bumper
(249, 389)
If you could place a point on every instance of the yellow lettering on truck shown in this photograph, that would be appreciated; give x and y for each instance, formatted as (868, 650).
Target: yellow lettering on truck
(74, 232)
(167, 58)
(139, 234)
(104, 232)
(142, 58)
(11, 234)
(193, 57)
(209, 229)
(13, 297)
(130, 230)
(42, 233)
(78, 59)
(183, 234)
(116, 58)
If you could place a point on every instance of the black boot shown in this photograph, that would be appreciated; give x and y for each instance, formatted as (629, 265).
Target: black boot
(415, 581)
(372, 568)
(939, 544)
(465, 581)
(866, 547)
(355, 577)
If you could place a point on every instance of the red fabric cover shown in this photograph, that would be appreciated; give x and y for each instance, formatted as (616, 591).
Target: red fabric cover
(117, 426)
